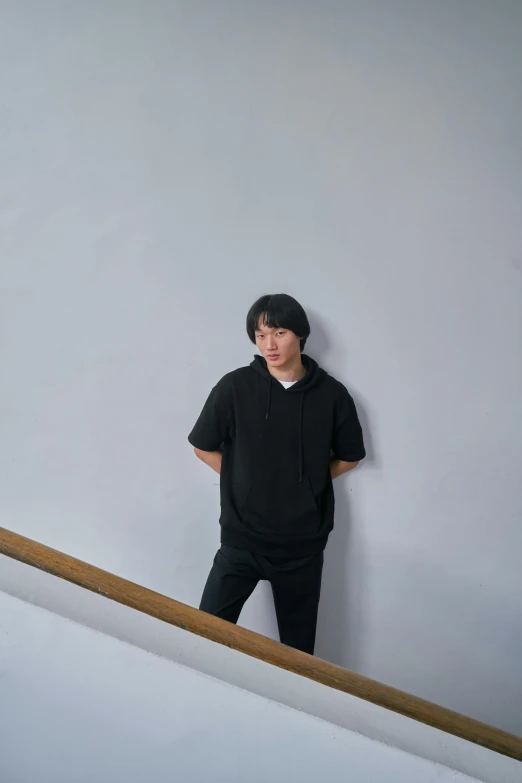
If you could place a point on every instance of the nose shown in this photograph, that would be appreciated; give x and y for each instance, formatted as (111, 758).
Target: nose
(271, 347)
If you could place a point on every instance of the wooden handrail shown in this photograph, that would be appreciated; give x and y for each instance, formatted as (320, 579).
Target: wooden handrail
(170, 611)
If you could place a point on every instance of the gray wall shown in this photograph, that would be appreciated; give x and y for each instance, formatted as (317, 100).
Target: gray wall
(165, 163)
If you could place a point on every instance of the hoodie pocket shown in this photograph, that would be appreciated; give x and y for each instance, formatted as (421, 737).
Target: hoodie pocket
(278, 504)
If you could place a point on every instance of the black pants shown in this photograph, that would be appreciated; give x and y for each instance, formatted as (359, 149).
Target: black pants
(296, 586)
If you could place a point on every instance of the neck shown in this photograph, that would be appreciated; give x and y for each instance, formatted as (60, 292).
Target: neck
(292, 371)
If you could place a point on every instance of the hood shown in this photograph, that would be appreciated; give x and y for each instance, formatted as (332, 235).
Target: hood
(313, 376)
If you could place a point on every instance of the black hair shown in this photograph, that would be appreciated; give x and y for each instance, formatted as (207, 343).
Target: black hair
(278, 311)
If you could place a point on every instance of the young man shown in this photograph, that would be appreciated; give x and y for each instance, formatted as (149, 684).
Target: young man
(277, 432)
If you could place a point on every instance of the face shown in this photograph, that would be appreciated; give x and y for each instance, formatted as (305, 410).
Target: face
(280, 347)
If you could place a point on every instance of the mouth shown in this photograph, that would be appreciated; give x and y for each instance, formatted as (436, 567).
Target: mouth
(272, 356)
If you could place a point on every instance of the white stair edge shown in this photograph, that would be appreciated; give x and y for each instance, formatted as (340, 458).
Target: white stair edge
(238, 669)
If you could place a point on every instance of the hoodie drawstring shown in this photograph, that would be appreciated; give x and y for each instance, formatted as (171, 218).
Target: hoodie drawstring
(300, 433)
(268, 397)
(301, 406)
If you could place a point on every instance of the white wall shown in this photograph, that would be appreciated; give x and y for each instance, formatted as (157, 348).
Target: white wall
(340, 709)
(165, 163)
(78, 705)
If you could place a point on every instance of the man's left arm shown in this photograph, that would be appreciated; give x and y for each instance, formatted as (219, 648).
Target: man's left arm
(347, 444)
(339, 466)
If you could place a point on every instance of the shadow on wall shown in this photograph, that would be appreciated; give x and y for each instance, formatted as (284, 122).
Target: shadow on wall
(342, 610)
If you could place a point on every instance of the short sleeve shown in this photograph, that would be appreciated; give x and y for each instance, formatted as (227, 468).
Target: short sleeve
(347, 442)
(214, 423)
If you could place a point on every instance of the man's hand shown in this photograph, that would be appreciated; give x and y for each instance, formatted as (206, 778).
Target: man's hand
(210, 458)
(338, 467)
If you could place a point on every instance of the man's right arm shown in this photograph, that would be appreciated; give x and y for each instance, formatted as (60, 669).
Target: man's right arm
(212, 428)
(210, 458)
